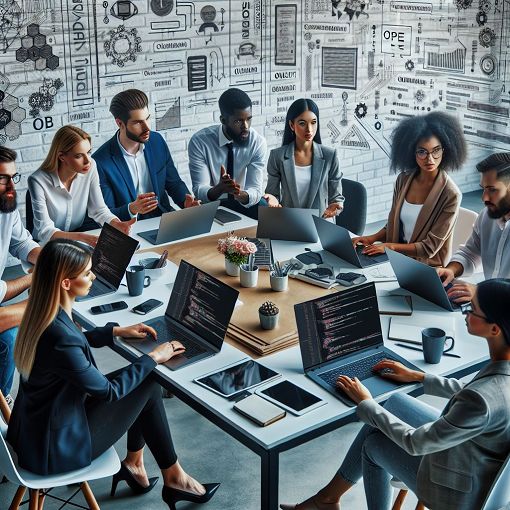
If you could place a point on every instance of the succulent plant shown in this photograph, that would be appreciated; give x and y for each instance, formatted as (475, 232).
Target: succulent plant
(268, 308)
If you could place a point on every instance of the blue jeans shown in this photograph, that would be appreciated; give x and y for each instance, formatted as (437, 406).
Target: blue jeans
(7, 339)
(377, 458)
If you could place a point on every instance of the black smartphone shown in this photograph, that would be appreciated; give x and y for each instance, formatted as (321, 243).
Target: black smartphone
(108, 307)
(147, 306)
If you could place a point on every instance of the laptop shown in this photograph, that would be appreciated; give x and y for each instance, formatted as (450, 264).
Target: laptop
(197, 315)
(420, 279)
(182, 223)
(337, 240)
(340, 334)
(110, 258)
(287, 224)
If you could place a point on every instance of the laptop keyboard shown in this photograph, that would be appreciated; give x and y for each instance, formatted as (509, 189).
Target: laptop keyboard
(263, 254)
(150, 235)
(366, 260)
(98, 289)
(165, 335)
(362, 368)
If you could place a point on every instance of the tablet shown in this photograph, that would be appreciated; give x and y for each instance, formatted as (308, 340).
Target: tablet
(232, 380)
(294, 399)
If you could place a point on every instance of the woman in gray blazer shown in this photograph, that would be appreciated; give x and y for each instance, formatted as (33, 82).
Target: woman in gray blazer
(449, 460)
(302, 172)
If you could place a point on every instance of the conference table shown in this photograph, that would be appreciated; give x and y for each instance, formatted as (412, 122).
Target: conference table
(291, 431)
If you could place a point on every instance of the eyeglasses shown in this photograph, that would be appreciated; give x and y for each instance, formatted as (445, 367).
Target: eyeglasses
(4, 178)
(424, 153)
(467, 308)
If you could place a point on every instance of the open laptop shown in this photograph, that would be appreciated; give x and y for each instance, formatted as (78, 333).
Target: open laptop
(182, 223)
(287, 224)
(340, 334)
(336, 240)
(110, 258)
(420, 279)
(197, 315)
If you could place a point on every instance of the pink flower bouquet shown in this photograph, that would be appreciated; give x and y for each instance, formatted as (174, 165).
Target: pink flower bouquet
(236, 249)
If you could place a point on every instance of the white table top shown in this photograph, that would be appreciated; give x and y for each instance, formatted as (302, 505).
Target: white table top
(288, 362)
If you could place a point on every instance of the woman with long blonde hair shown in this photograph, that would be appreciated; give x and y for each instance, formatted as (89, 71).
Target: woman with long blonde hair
(65, 191)
(67, 412)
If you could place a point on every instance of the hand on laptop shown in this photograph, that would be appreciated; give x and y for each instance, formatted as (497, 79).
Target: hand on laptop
(353, 388)
(123, 226)
(461, 292)
(333, 210)
(163, 352)
(390, 369)
(364, 240)
(271, 200)
(139, 331)
(144, 203)
(190, 201)
(376, 249)
(446, 274)
(87, 238)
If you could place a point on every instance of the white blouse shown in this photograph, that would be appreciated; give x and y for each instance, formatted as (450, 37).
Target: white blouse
(56, 209)
(408, 216)
(303, 178)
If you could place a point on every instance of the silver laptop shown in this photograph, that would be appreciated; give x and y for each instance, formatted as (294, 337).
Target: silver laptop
(182, 223)
(420, 279)
(287, 224)
(340, 334)
(337, 240)
(197, 315)
(110, 258)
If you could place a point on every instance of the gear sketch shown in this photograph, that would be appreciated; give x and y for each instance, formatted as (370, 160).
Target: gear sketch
(122, 45)
(360, 110)
(11, 117)
(44, 99)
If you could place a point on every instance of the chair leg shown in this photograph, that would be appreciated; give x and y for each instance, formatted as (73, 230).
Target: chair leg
(89, 496)
(420, 506)
(16, 500)
(34, 499)
(399, 501)
(42, 495)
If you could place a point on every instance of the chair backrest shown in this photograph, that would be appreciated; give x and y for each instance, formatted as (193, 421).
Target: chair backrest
(7, 464)
(499, 494)
(354, 215)
(29, 213)
(463, 227)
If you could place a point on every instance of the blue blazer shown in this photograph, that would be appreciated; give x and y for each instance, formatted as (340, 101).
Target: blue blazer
(48, 428)
(116, 182)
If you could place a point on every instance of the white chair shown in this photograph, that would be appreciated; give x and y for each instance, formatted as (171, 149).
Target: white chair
(103, 466)
(499, 494)
(463, 227)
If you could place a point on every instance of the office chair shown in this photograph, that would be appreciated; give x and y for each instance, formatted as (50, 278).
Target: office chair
(354, 215)
(463, 227)
(29, 213)
(401, 496)
(40, 486)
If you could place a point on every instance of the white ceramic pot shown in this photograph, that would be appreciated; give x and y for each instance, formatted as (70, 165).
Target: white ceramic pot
(279, 283)
(231, 268)
(248, 278)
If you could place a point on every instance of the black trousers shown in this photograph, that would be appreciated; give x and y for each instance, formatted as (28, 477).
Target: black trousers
(141, 413)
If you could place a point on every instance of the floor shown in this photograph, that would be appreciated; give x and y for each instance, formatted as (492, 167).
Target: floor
(211, 455)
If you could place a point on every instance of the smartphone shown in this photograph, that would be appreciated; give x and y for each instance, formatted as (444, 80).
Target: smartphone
(108, 307)
(223, 217)
(147, 306)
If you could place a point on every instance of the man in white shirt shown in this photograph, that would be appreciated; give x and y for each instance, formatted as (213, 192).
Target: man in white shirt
(489, 244)
(17, 241)
(135, 167)
(227, 162)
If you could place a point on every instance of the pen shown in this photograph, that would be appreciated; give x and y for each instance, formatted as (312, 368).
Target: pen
(421, 350)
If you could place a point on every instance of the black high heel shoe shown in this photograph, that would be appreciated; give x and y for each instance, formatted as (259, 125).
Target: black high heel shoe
(171, 496)
(124, 474)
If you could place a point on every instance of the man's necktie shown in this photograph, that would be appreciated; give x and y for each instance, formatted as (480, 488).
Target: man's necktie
(230, 164)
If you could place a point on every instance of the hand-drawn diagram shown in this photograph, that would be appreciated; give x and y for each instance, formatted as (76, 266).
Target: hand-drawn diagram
(35, 48)
(122, 45)
(11, 117)
(11, 22)
(44, 99)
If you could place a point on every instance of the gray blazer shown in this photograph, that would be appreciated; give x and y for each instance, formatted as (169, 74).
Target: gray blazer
(465, 448)
(325, 184)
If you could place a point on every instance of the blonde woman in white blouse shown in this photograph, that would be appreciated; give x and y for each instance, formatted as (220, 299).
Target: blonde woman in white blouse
(65, 189)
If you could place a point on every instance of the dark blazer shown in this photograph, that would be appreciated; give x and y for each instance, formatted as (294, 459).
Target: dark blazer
(116, 182)
(325, 183)
(48, 428)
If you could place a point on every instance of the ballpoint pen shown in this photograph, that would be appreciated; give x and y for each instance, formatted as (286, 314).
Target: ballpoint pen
(421, 350)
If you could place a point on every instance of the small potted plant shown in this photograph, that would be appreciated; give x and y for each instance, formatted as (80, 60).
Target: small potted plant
(236, 250)
(268, 315)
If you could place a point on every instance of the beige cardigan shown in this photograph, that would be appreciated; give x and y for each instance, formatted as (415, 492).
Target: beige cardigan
(433, 232)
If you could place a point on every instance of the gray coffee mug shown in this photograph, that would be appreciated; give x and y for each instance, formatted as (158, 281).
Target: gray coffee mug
(433, 341)
(136, 280)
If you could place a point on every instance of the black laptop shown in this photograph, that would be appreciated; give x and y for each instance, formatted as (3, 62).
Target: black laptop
(287, 224)
(182, 223)
(340, 334)
(111, 257)
(337, 240)
(197, 315)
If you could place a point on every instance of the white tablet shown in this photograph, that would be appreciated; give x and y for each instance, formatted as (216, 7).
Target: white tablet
(288, 396)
